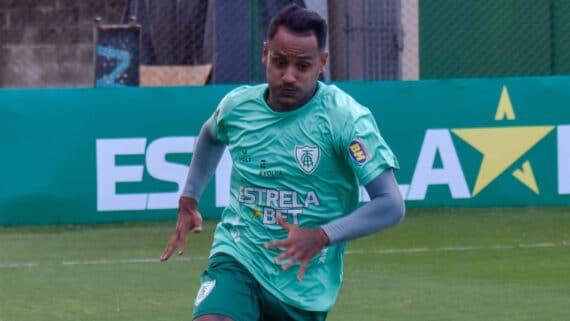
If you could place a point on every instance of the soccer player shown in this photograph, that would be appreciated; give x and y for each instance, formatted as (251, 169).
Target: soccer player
(300, 148)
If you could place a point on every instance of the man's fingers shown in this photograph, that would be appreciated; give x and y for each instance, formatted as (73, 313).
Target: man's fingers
(170, 247)
(166, 254)
(181, 242)
(281, 221)
(274, 244)
(189, 219)
(280, 243)
(196, 226)
(289, 263)
(302, 269)
(282, 256)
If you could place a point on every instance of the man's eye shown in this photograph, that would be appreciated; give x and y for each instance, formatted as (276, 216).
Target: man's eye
(280, 62)
(303, 66)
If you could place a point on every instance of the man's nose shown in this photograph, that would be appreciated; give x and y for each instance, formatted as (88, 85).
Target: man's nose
(288, 75)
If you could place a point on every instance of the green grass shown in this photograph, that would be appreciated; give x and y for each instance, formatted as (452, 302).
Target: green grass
(441, 264)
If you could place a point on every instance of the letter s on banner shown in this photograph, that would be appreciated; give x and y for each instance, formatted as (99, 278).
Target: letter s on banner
(159, 168)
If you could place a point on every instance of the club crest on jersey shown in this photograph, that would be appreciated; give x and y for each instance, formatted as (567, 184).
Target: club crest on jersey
(357, 151)
(307, 157)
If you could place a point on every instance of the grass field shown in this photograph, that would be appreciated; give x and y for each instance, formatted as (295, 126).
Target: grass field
(440, 264)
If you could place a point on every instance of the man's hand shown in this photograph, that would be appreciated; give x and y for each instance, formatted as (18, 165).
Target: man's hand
(189, 219)
(301, 245)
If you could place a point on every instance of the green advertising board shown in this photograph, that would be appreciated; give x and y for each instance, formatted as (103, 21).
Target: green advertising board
(99, 155)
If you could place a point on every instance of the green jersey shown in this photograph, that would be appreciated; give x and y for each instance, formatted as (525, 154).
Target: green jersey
(306, 165)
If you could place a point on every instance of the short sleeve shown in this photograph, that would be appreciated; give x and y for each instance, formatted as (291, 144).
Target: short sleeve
(218, 120)
(366, 150)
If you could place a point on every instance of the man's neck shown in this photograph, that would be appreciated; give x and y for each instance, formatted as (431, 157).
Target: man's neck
(279, 108)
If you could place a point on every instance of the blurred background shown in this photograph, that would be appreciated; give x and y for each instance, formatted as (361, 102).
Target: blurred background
(86, 43)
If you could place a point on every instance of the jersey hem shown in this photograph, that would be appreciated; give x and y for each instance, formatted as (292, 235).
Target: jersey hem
(229, 251)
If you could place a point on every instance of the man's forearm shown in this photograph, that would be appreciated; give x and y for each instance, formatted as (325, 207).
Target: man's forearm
(386, 208)
(205, 159)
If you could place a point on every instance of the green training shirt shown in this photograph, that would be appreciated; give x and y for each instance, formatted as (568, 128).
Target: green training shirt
(307, 165)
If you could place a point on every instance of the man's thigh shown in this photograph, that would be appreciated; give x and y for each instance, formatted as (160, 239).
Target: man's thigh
(227, 289)
(273, 309)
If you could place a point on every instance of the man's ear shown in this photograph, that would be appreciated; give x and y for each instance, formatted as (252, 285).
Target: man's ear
(323, 62)
(265, 53)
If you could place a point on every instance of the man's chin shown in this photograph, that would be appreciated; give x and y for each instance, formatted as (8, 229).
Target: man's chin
(288, 102)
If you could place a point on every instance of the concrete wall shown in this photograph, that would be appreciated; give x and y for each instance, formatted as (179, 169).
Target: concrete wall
(49, 43)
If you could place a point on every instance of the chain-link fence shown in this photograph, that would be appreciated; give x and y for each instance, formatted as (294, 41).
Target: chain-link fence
(46, 43)
(494, 38)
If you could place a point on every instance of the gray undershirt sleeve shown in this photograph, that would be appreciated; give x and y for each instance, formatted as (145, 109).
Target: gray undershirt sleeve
(205, 159)
(385, 209)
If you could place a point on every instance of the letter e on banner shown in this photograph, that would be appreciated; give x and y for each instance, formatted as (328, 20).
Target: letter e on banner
(109, 174)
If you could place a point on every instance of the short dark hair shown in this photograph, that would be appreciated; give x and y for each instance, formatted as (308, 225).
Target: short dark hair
(299, 20)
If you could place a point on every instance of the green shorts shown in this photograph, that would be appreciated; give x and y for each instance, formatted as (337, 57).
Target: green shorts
(229, 289)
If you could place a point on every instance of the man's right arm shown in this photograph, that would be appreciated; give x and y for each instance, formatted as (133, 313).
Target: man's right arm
(205, 159)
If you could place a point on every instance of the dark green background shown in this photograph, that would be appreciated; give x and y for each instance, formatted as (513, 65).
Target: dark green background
(494, 38)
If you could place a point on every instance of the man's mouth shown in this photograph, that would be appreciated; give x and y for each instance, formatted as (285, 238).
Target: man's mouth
(288, 91)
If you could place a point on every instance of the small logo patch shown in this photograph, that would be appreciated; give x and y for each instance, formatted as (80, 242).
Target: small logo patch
(205, 289)
(307, 157)
(357, 151)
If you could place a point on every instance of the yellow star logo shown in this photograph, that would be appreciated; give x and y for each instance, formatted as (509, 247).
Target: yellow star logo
(256, 213)
(502, 146)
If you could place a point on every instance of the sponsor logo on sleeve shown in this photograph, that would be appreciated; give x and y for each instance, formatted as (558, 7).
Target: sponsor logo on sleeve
(357, 151)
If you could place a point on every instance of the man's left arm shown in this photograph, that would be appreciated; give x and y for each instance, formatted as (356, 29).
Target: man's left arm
(385, 209)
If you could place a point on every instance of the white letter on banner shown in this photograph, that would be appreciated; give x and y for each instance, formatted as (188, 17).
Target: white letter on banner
(108, 174)
(159, 168)
(563, 159)
(451, 174)
(223, 174)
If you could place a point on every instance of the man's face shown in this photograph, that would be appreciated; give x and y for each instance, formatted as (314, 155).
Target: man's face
(293, 63)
